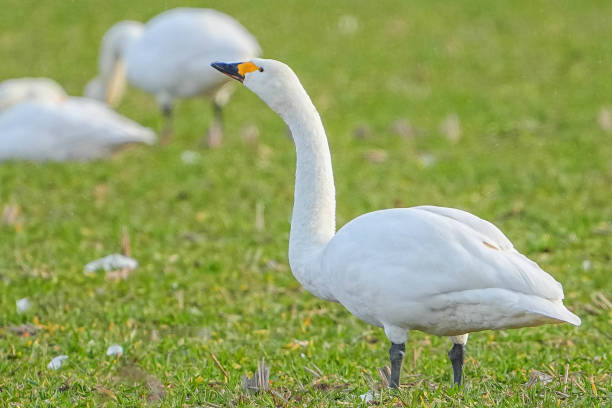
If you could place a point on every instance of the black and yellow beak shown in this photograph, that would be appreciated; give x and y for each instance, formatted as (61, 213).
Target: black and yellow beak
(235, 70)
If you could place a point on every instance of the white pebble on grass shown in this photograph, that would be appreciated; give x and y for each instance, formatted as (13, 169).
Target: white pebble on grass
(111, 262)
(427, 159)
(190, 157)
(23, 305)
(56, 362)
(367, 397)
(114, 350)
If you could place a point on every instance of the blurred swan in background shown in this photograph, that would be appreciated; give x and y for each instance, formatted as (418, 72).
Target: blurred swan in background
(170, 57)
(39, 121)
(439, 270)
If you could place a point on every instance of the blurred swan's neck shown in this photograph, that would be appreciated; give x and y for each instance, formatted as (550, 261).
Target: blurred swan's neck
(115, 44)
(313, 223)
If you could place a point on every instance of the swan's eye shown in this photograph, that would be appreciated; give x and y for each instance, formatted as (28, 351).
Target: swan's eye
(260, 69)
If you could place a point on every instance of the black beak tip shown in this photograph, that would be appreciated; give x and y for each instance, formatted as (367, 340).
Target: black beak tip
(231, 70)
(217, 65)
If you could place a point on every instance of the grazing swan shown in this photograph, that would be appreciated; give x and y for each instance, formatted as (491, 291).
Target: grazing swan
(38, 121)
(170, 57)
(439, 270)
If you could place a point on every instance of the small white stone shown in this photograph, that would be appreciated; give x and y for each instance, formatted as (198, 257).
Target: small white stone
(111, 262)
(114, 350)
(367, 397)
(190, 157)
(586, 265)
(427, 159)
(23, 305)
(57, 362)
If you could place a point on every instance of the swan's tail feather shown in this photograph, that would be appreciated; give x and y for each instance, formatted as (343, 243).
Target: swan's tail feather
(560, 313)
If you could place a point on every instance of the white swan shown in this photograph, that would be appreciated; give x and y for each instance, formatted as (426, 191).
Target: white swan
(38, 121)
(439, 270)
(170, 57)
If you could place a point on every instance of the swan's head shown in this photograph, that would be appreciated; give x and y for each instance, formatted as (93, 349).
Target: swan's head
(274, 82)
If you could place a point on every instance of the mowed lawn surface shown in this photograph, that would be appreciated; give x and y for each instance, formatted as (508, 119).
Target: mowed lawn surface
(499, 109)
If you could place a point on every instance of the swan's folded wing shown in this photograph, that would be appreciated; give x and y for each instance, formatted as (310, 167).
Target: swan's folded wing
(100, 121)
(426, 251)
(495, 237)
(510, 265)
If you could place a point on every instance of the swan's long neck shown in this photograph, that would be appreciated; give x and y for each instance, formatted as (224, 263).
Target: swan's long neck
(115, 44)
(314, 211)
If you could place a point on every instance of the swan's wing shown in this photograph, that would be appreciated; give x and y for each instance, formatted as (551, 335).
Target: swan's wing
(177, 47)
(433, 250)
(77, 129)
(105, 123)
(421, 268)
(513, 267)
(494, 236)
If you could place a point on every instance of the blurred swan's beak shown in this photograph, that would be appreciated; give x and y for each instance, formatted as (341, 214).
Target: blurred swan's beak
(235, 70)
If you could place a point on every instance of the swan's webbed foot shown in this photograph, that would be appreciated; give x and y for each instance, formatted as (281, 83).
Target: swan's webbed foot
(396, 355)
(456, 355)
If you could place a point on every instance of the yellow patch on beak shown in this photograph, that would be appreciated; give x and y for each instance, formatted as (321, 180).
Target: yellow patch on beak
(246, 67)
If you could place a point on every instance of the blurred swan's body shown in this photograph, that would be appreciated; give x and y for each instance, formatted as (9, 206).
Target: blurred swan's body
(40, 122)
(170, 57)
(439, 270)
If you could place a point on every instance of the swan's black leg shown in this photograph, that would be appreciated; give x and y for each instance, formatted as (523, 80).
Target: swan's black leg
(456, 355)
(396, 355)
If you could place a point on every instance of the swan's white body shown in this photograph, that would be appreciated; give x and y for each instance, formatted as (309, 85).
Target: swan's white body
(48, 125)
(439, 270)
(170, 55)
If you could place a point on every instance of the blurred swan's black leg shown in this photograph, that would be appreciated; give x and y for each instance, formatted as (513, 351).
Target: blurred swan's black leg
(396, 355)
(456, 355)
(166, 133)
(215, 131)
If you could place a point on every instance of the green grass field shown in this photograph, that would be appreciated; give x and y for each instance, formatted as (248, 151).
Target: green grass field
(530, 83)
